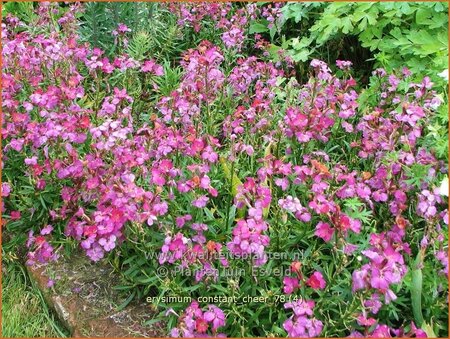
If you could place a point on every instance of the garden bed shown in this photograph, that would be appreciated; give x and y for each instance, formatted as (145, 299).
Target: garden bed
(253, 169)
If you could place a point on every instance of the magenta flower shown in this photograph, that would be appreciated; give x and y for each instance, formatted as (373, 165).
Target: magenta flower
(194, 322)
(316, 281)
(150, 66)
(290, 285)
(15, 215)
(302, 323)
(324, 231)
(215, 316)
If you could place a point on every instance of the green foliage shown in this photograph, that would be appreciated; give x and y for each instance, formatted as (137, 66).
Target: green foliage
(140, 45)
(416, 289)
(437, 137)
(23, 10)
(398, 33)
(154, 30)
(24, 312)
(95, 24)
(356, 209)
(417, 174)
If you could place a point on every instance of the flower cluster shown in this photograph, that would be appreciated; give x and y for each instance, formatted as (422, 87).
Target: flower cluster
(386, 266)
(294, 206)
(323, 100)
(302, 323)
(195, 322)
(384, 331)
(248, 237)
(40, 250)
(233, 24)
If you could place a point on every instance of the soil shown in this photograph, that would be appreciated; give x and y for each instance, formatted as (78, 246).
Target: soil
(86, 303)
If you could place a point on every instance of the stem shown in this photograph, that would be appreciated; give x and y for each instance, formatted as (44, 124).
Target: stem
(230, 199)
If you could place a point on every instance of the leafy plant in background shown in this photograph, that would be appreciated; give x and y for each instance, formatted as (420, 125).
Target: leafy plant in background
(23, 10)
(155, 31)
(400, 34)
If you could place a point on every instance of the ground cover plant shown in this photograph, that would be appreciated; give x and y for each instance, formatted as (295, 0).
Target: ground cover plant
(244, 192)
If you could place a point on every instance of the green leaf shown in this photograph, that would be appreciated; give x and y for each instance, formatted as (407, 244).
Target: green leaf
(302, 55)
(347, 25)
(416, 289)
(235, 181)
(256, 27)
(428, 330)
(422, 16)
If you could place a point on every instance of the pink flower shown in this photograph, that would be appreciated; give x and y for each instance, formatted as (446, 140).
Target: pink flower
(6, 189)
(152, 67)
(316, 281)
(324, 231)
(344, 65)
(302, 323)
(290, 284)
(31, 161)
(359, 278)
(157, 177)
(283, 183)
(201, 201)
(121, 29)
(364, 321)
(161, 208)
(233, 37)
(15, 215)
(215, 316)
(47, 230)
(210, 155)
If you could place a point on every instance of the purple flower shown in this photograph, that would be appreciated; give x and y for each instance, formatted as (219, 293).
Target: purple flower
(31, 161)
(200, 202)
(233, 38)
(359, 279)
(47, 230)
(6, 189)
